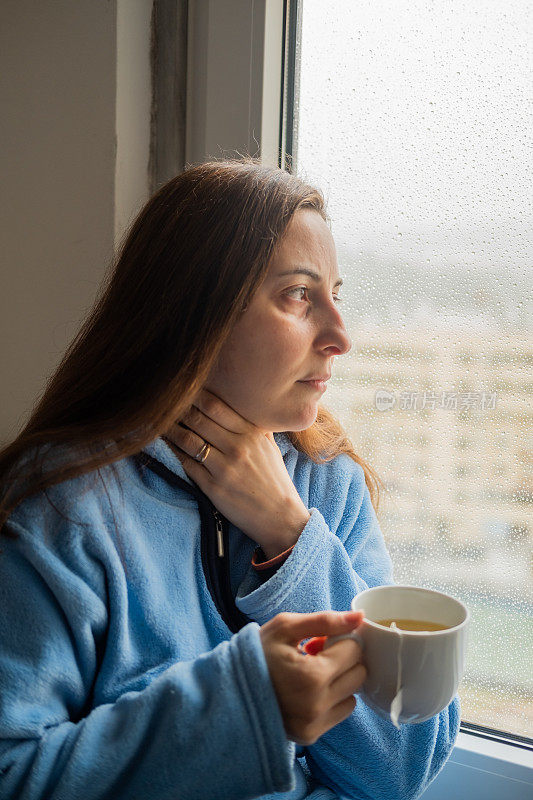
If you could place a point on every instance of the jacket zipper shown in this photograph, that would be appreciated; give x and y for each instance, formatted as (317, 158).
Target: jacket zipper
(220, 538)
(216, 570)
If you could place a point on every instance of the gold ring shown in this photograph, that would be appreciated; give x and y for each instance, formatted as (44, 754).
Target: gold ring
(203, 452)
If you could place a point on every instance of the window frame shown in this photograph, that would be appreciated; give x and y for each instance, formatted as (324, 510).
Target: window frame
(242, 62)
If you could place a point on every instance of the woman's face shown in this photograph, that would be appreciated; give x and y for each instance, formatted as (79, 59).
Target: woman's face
(291, 331)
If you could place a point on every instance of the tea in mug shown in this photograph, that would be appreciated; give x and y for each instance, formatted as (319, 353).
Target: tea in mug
(412, 624)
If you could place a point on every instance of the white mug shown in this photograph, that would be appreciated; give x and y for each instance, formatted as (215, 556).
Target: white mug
(411, 675)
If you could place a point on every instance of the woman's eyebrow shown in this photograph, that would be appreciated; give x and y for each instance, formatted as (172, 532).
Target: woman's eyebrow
(310, 273)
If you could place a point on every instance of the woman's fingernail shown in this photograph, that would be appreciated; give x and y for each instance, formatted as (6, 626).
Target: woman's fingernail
(315, 645)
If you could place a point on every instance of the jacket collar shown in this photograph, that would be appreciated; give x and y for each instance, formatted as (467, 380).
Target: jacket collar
(161, 451)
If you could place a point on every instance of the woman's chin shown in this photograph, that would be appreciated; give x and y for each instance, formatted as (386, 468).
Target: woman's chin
(284, 415)
(303, 420)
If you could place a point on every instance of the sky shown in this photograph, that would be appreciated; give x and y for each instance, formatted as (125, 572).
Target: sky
(415, 118)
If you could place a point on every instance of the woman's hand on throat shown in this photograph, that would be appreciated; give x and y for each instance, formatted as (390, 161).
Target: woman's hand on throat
(243, 475)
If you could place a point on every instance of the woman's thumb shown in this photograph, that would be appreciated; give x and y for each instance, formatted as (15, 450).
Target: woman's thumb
(322, 623)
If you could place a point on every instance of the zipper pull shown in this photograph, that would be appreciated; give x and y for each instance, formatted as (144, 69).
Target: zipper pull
(220, 537)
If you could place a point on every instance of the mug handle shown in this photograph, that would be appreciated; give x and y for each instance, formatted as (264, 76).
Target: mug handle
(319, 643)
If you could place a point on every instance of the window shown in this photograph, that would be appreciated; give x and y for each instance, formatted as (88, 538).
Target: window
(424, 170)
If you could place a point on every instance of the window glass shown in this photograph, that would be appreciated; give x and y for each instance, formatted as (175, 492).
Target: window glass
(414, 117)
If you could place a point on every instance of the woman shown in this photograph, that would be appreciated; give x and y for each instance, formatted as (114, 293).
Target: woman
(180, 512)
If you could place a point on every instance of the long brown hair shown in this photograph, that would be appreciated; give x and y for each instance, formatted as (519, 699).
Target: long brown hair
(190, 263)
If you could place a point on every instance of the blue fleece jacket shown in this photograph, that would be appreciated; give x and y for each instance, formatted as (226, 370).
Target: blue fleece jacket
(120, 681)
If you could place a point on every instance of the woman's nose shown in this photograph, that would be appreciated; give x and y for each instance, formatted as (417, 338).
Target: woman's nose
(334, 333)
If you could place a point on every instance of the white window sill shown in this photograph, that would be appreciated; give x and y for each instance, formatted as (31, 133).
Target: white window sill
(484, 769)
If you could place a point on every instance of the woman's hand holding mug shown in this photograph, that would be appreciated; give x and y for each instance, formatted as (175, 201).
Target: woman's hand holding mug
(314, 694)
(415, 668)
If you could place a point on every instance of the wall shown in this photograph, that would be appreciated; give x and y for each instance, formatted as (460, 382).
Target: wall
(75, 150)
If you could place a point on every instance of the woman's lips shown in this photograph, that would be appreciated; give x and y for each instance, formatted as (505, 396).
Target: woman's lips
(320, 386)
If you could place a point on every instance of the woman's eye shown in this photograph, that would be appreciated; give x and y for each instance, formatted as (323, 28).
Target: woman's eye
(297, 289)
(336, 298)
